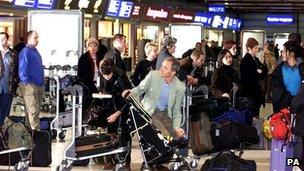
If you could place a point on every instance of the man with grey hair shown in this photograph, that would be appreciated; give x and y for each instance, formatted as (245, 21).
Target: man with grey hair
(167, 50)
(163, 98)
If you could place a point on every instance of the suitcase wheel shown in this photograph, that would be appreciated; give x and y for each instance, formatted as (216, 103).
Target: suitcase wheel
(64, 167)
(22, 166)
(193, 163)
(61, 135)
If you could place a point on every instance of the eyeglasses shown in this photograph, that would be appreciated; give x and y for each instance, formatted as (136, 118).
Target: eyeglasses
(105, 67)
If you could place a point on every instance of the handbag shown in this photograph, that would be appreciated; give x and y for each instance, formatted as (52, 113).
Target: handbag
(97, 113)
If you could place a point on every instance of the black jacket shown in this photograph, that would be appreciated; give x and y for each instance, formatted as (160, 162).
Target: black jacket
(115, 86)
(281, 97)
(115, 55)
(188, 69)
(251, 80)
(142, 69)
(222, 80)
(86, 71)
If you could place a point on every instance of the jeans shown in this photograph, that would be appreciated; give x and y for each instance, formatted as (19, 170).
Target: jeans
(5, 106)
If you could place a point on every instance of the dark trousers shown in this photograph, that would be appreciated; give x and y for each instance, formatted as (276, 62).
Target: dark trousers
(5, 106)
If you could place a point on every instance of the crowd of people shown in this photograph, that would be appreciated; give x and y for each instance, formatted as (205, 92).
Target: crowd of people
(160, 80)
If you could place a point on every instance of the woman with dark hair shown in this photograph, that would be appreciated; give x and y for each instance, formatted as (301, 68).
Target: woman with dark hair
(225, 77)
(253, 72)
(271, 64)
(287, 77)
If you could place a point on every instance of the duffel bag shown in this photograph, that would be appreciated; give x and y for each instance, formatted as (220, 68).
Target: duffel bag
(228, 162)
(280, 124)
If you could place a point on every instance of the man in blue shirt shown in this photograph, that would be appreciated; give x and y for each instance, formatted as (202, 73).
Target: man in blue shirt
(9, 78)
(31, 80)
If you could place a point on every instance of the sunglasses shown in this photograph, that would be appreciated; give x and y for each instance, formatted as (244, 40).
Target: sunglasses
(105, 67)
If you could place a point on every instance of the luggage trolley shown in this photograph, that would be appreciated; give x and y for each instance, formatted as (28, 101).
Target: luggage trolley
(24, 152)
(154, 147)
(62, 120)
(70, 153)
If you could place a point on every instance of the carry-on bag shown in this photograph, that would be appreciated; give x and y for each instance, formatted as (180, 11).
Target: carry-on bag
(228, 162)
(200, 138)
(231, 135)
(280, 150)
(42, 152)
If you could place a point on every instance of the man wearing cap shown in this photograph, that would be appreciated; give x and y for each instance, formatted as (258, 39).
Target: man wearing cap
(168, 48)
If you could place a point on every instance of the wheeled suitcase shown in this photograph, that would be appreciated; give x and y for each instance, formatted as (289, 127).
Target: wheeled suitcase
(200, 138)
(280, 150)
(42, 152)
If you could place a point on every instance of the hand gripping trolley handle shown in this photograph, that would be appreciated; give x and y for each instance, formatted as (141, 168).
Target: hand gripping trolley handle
(70, 153)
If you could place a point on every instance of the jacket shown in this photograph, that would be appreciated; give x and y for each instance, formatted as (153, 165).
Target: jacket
(186, 68)
(151, 86)
(281, 97)
(14, 77)
(86, 71)
(115, 55)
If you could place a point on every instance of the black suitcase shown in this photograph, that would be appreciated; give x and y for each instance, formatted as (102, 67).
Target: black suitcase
(231, 135)
(10, 159)
(42, 152)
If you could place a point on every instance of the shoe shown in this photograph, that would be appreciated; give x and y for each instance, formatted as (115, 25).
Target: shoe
(109, 166)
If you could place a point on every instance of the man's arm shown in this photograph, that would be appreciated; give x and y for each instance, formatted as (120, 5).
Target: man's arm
(177, 115)
(24, 67)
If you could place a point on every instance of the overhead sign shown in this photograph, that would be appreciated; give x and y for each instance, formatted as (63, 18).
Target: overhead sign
(118, 8)
(204, 18)
(182, 16)
(136, 11)
(40, 4)
(220, 22)
(157, 13)
(280, 19)
(88, 6)
(234, 24)
(216, 8)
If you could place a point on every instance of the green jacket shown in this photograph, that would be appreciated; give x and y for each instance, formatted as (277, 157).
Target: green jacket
(151, 86)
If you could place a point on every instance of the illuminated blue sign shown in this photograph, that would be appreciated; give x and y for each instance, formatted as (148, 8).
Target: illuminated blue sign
(220, 22)
(234, 24)
(203, 18)
(280, 19)
(118, 8)
(216, 8)
(41, 4)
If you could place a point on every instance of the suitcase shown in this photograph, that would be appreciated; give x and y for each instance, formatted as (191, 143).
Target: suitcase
(231, 135)
(200, 138)
(264, 144)
(280, 150)
(95, 144)
(228, 162)
(42, 152)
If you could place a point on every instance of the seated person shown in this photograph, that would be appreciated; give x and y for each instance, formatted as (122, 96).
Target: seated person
(114, 81)
(163, 97)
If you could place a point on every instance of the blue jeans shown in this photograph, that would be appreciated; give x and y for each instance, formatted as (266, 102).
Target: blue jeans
(5, 106)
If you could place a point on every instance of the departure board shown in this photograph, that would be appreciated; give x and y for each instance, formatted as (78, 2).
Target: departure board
(40, 4)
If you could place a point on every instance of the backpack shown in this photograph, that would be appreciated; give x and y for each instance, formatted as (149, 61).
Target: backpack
(280, 124)
(17, 134)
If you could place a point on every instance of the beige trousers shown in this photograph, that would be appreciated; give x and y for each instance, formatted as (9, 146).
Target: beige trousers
(163, 123)
(32, 96)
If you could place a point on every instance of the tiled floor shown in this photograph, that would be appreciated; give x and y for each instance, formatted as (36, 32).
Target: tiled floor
(262, 157)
